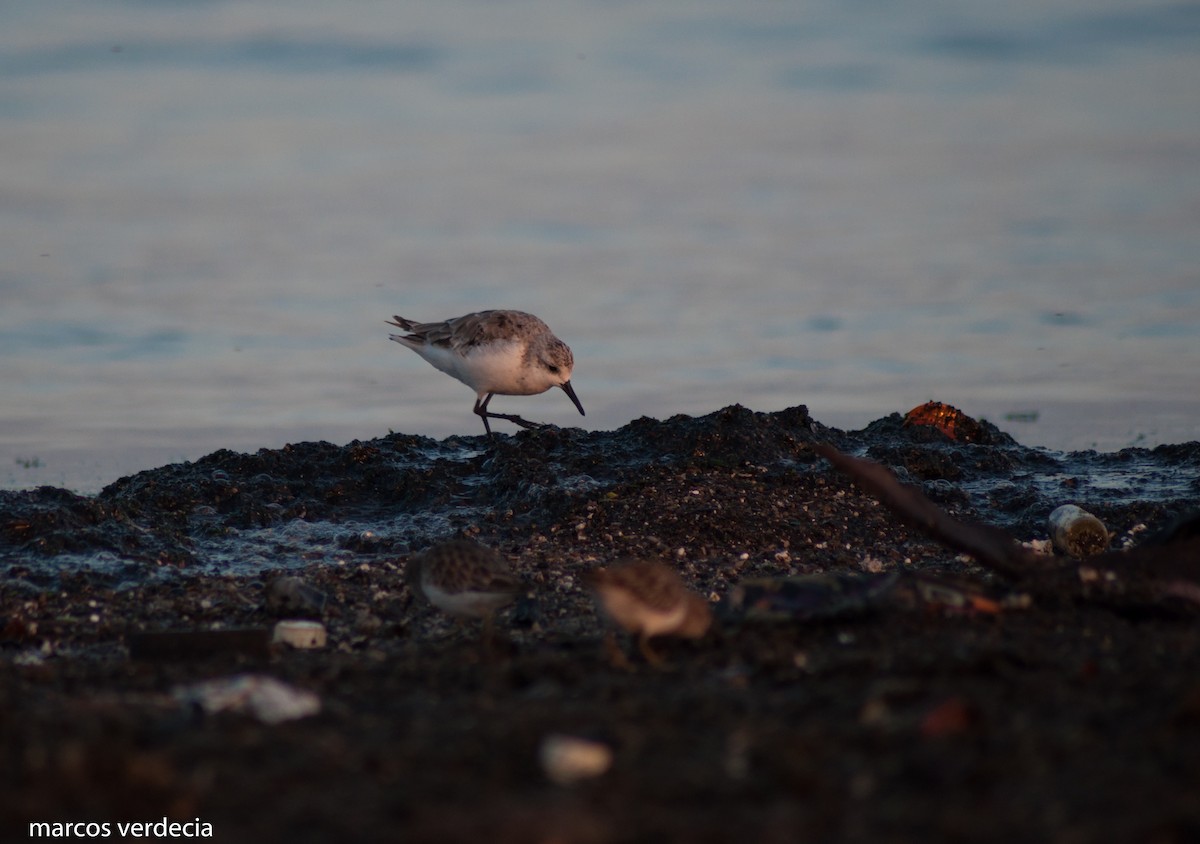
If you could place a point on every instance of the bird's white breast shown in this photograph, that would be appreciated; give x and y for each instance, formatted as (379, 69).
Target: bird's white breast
(638, 617)
(495, 367)
(466, 603)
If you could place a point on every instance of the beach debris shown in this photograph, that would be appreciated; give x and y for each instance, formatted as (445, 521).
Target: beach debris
(647, 599)
(951, 421)
(955, 595)
(570, 759)
(291, 597)
(807, 597)
(1076, 532)
(265, 698)
(198, 644)
(989, 544)
(814, 597)
(299, 634)
(1168, 567)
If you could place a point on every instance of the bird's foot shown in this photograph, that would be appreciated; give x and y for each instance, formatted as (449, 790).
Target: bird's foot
(516, 420)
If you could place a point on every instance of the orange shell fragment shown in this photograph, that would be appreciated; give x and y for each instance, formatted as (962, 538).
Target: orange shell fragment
(949, 420)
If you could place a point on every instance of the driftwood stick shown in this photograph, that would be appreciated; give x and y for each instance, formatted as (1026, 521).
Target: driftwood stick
(1169, 568)
(988, 544)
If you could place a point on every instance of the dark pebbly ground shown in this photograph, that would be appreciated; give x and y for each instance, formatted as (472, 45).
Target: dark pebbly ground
(1069, 716)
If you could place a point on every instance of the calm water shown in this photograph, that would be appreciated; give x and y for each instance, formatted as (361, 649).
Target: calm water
(207, 210)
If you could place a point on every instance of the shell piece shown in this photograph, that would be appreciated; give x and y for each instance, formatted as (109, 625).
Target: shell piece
(300, 634)
(951, 421)
(648, 598)
(1076, 532)
(266, 698)
(569, 759)
(464, 578)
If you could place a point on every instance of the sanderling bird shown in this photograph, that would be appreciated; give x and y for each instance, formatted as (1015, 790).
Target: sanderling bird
(648, 599)
(464, 579)
(507, 352)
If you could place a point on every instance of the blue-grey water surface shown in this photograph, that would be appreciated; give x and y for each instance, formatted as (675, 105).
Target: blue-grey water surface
(207, 210)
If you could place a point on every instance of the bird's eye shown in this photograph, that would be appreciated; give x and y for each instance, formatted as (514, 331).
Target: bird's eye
(552, 368)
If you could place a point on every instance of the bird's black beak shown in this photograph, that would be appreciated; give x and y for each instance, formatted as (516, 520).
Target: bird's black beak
(571, 392)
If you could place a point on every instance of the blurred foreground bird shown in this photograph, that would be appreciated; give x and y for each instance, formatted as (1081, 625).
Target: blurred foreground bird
(649, 599)
(464, 580)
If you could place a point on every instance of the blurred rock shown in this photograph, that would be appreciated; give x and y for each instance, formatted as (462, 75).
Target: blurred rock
(291, 597)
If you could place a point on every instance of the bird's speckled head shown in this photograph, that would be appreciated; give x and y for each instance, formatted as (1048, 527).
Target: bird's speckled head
(553, 365)
(554, 361)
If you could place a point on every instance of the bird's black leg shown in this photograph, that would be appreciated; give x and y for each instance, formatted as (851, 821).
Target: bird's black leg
(485, 415)
(481, 410)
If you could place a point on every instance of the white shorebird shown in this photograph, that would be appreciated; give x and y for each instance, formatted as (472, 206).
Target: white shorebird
(507, 352)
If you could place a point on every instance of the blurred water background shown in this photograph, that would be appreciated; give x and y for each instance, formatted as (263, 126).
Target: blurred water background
(208, 209)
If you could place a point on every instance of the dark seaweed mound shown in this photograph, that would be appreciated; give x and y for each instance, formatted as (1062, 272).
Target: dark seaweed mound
(405, 491)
